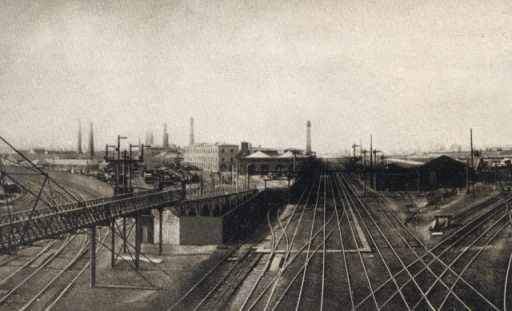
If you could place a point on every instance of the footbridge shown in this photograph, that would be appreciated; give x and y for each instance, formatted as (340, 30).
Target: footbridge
(25, 228)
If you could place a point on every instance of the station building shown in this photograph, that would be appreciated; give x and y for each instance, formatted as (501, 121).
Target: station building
(260, 163)
(217, 157)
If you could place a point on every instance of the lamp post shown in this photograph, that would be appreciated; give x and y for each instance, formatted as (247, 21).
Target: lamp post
(118, 160)
(141, 158)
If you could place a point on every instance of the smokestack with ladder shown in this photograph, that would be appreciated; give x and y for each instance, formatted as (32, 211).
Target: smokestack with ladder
(91, 142)
(308, 139)
(79, 147)
(191, 142)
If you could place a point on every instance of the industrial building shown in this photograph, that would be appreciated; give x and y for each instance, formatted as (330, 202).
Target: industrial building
(217, 157)
(264, 161)
(441, 172)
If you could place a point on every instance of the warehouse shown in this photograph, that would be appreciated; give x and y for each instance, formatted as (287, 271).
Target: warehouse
(441, 172)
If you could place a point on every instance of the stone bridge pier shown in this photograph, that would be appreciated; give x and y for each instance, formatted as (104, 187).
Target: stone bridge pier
(196, 222)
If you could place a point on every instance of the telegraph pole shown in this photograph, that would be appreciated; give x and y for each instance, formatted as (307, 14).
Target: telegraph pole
(127, 160)
(371, 160)
(472, 162)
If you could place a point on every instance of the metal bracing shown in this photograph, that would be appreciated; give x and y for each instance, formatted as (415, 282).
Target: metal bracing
(94, 242)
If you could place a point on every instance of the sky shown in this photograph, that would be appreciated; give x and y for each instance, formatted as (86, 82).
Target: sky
(412, 74)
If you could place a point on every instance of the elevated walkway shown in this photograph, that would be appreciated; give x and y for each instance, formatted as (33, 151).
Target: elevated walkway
(25, 228)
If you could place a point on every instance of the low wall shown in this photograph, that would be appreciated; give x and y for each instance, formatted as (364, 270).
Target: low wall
(200, 230)
(206, 230)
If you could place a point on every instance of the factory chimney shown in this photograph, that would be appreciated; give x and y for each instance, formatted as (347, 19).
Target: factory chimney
(165, 143)
(91, 142)
(308, 140)
(191, 131)
(79, 147)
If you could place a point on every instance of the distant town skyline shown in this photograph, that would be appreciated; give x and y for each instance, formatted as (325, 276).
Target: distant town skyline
(411, 74)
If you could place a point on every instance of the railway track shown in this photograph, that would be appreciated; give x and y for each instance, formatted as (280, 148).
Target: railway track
(46, 275)
(442, 282)
(400, 272)
(217, 285)
(334, 248)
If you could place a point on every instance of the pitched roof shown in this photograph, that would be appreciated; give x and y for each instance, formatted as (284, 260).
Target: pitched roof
(258, 155)
(287, 154)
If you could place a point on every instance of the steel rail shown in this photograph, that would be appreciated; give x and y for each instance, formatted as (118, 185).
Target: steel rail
(286, 253)
(377, 247)
(430, 252)
(99, 249)
(323, 250)
(465, 251)
(390, 247)
(222, 280)
(226, 275)
(289, 220)
(46, 262)
(473, 259)
(306, 263)
(449, 268)
(505, 287)
(45, 248)
(276, 280)
(209, 272)
(420, 258)
(286, 265)
(351, 294)
(80, 253)
(345, 203)
(299, 296)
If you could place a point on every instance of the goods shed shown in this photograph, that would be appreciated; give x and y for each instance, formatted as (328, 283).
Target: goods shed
(402, 175)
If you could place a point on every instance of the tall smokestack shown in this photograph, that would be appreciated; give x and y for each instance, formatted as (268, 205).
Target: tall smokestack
(308, 140)
(79, 147)
(165, 143)
(91, 142)
(191, 131)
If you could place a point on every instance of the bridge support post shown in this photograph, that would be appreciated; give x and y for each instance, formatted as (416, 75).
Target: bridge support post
(289, 191)
(92, 255)
(125, 247)
(137, 241)
(113, 248)
(183, 190)
(160, 233)
(201, 183)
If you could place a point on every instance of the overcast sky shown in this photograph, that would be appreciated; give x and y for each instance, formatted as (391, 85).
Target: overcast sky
(412, 73)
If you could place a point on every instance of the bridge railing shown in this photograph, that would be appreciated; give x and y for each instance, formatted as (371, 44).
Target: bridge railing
(6, 219)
